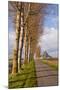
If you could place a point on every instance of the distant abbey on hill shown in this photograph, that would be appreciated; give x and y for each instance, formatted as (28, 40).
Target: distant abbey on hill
(46, 55)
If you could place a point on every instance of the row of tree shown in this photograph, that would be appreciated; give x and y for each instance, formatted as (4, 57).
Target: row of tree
(28, 22)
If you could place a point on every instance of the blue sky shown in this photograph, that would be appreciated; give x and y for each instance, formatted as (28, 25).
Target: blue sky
(51, 18)
(11, 36)
(49, 39)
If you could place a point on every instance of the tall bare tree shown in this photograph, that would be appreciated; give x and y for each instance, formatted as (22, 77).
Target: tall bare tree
(21, 36)
(15, 57)
(26, 52)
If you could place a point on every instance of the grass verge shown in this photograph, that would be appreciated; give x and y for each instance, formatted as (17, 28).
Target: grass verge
(26, 77)
(53, 65)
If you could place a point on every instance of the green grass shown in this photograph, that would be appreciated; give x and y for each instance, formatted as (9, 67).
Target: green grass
(26, 77)
(54, 66)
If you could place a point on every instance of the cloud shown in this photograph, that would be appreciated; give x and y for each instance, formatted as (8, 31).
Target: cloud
(49, 41)
(11, 42)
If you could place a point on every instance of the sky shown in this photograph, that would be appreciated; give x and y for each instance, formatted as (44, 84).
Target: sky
(49, 39)
(11, 37)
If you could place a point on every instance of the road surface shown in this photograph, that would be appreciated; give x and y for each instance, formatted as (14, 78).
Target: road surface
(46, 76)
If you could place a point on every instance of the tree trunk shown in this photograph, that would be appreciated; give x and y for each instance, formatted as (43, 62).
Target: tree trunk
(15, 57)
(26, 50)
(26, 46)
(21, 38)
(29, 49)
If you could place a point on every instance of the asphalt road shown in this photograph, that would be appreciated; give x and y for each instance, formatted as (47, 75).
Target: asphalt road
(46, 76)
